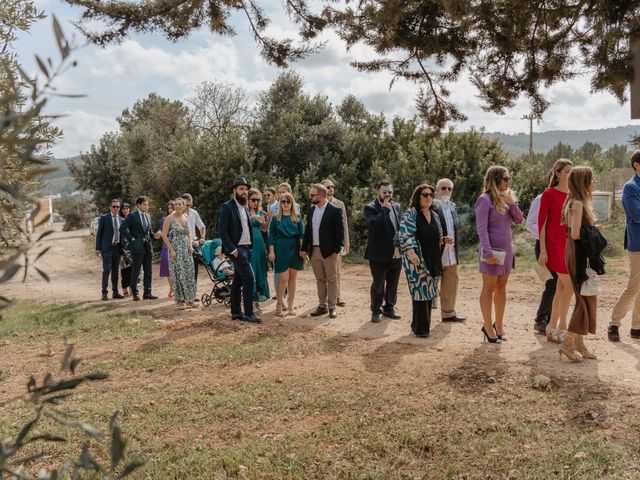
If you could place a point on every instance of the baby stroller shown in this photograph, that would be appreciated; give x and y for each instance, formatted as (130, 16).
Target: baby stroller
(221, 290)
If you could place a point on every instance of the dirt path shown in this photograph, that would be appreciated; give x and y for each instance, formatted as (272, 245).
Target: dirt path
(75, 278)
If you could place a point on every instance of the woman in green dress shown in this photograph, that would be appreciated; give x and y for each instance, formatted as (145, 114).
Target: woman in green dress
(285, 237)
(258, 250)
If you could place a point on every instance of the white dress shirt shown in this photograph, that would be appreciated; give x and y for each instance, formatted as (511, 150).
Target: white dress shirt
(245, 238)
(449, 252)
(194, 220)
(315, 223)
(532, 217)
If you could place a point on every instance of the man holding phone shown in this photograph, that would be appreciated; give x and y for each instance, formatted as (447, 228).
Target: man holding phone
(383, 251)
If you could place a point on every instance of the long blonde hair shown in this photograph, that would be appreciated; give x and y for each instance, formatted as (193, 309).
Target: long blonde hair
(580, 180)
(294, 212)
(492, 180)
(558, 166)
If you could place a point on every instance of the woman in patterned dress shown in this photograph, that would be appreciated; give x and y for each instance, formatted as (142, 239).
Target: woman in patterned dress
(420, 238)
(258, 250)
(496, 210)
(177, 238)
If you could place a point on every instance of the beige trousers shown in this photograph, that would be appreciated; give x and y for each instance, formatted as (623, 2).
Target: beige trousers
(449, 291)
(630, 294)
(338, 277)
(326, 272)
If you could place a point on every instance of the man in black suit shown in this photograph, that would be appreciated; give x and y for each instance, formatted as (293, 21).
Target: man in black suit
(383, 251)
(137, 229)
(324, 238)
(234, 227)
(108, 248)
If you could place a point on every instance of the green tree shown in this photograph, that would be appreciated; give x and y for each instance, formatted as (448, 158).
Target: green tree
(558, 151)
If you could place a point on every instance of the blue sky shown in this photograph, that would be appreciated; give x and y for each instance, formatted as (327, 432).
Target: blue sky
(114, 77)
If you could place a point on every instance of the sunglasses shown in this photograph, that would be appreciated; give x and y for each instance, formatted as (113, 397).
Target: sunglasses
(254, 199)
(428, 194)
(446, 188)
(285, 201)
(115, 206)
(506, 179)
(329, 187)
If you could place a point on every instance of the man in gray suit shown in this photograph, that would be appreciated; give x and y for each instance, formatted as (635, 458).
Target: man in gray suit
(345, 249)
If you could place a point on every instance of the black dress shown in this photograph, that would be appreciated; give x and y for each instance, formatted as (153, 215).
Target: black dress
(428, 236)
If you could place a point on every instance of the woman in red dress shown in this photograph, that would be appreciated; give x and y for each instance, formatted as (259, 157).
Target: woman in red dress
(553, 244)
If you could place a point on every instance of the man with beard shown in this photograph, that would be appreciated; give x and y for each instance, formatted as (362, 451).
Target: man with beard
(324, 238)
(236, 234)
(383, 252)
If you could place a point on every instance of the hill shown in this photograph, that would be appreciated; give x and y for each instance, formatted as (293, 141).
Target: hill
(515, 144)
(61, 180)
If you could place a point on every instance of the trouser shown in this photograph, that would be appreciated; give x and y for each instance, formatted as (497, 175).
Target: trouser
(384, 287)
(338, 277)
(449, 291)
(421, 322)
(631, 294)
(242, 284)
(546, 300)
(142, 259)
(196, 262)
(326, 272)
(110, 266)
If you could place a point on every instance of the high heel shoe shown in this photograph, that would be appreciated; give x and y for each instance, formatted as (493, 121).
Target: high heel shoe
(566, 349)
(550, 333)
(502, 338)
(579, 345)
(487, 337)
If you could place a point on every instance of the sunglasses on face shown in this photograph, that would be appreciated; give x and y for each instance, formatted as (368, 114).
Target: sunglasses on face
(506, 179)
(254, 199)
(329, 187)
(115, 206)
(428, 194)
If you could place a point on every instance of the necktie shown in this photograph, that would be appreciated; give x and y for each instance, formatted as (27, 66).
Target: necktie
(116, 229)
(145, 223)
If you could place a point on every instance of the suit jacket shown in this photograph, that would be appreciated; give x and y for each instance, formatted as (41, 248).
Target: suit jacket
(443, 222)
(331, 231)
(104, 235)
(631, 204)
(230, 226)
(340, 204)
(135, 233)
(380, 245)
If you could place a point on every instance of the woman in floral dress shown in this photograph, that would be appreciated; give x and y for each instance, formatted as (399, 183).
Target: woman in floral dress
(176, 236)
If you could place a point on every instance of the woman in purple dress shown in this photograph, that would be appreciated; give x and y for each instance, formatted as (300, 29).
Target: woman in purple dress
(496, 210)
(164, 257)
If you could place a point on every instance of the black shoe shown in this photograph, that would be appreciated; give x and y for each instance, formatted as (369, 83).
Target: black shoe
(488, 338)
(117, 295)
(500, 337)
(540, 326)
(150, 297)
(196, 300)
(333, 313)
(341, 303)
(613, 334)
(319, 311)
(391, 314)
(236, 316)
(251, 319)
(375, 317)
(136, 298)
(423, 335)
(455, 318)
(635, 333)
(105, 296)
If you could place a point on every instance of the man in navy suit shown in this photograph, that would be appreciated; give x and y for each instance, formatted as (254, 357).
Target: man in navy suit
(323, 239)
(383, 251)
(234, 227)
(108, 248)
(137, 229)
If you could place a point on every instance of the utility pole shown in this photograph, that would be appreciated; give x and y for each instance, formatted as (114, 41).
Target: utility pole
(530, 118)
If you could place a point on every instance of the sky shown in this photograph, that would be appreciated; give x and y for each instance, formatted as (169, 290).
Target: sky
(114, 77)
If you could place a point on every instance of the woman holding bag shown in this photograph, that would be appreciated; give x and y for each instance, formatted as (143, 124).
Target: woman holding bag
(420, 237)
(496, 210)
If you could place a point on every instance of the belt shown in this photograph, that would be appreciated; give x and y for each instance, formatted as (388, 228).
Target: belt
(115, 244)
(244, 246)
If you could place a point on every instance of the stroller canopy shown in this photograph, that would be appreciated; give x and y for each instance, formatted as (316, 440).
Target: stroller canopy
(209, 250)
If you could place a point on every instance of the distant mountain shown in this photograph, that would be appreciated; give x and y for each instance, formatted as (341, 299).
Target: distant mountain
(543, 141)
(61, 180)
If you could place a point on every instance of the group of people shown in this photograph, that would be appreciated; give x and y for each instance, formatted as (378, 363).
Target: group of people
(421, 241)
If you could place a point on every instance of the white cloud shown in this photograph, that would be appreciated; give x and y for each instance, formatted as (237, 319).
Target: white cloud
(81, 129)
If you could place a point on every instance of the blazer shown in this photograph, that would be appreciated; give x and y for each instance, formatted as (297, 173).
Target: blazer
(380, 242)
(631, 204)
(133, 231)
(331, 231)
(593, 243)
(340, 204)
(443, 223)
(104, 235)
(230, 225)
